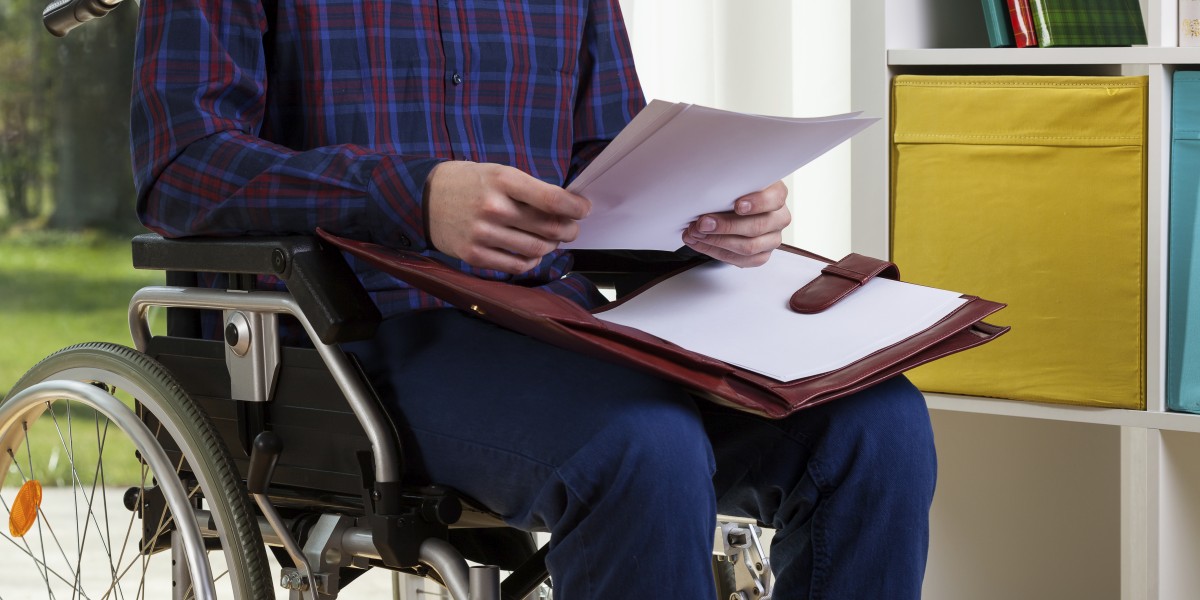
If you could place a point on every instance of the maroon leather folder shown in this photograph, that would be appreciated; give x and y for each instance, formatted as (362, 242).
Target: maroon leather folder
(563, 323)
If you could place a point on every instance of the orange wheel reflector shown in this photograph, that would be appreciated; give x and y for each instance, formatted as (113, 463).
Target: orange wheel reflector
(24, 510)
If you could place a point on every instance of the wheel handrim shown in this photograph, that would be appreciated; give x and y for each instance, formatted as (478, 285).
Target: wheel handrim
(69, 551)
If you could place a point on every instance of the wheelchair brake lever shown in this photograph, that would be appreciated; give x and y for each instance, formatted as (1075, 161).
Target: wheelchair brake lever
(264, 455)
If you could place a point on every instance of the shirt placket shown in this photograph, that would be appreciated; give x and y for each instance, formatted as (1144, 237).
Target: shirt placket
(455, 49)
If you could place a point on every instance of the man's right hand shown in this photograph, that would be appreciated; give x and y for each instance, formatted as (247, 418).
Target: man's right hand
(497, 217)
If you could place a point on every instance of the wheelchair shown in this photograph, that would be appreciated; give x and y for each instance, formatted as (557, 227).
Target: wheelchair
(242, 446)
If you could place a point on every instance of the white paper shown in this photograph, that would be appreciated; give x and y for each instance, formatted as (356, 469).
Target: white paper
(675, 162)
(741, 316)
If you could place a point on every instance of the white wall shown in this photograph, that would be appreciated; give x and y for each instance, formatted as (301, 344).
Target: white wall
(778, 57)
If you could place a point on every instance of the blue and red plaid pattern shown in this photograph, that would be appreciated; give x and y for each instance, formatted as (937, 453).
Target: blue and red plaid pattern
(281, 116)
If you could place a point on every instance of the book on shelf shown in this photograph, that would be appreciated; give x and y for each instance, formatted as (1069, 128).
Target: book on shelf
(1189, 22)
(995, 16)
(1022, 24)
(1088, 22)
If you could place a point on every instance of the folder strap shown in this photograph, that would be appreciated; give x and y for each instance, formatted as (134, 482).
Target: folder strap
(838, 280)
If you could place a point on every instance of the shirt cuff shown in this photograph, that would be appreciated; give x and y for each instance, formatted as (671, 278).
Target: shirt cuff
(397, 195)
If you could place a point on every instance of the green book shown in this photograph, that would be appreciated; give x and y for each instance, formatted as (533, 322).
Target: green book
(999, 27)
(1088, 22)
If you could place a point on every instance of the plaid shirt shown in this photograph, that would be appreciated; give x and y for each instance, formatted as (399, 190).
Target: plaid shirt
(281, 116)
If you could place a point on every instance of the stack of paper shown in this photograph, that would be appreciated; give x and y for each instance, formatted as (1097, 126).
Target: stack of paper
(676, 162)
(741, 316)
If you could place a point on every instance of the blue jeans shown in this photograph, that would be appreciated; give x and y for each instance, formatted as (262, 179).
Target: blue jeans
(627, 472)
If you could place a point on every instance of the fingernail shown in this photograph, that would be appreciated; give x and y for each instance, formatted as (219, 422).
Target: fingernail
(707, 224)
(743, 207)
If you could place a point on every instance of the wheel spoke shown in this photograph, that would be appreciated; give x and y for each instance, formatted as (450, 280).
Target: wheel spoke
(136, 559)
(129, 528)
(77, 487)
(8, 509)
(33, 475)
(44, 521)
(89, 517)
(98, 480)
(28, 552)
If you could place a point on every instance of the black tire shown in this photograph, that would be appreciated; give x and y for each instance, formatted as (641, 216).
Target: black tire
(68, 552)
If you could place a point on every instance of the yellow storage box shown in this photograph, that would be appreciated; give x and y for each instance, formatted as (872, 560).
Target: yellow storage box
(1029, 191)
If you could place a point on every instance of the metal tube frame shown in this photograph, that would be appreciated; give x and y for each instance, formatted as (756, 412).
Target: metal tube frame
(435, 553)
(383, 444)
(461, 581)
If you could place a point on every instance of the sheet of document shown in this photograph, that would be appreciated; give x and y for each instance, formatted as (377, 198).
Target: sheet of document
(675, 162)
(741, 316)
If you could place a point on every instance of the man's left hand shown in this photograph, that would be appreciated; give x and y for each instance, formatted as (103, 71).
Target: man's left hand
(746, 235)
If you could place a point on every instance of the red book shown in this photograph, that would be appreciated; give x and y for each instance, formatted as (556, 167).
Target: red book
(1022, 23)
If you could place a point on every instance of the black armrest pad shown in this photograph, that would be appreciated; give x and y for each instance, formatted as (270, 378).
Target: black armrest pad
(316, 275)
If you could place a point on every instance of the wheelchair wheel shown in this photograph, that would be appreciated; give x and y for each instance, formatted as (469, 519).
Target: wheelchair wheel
(85, 518)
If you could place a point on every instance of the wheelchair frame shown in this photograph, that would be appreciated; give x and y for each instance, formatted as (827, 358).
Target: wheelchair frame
(333, 513)
(407, 528)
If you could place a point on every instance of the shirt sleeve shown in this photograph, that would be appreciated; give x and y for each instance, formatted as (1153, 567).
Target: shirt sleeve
(200, 167)
(610, 94)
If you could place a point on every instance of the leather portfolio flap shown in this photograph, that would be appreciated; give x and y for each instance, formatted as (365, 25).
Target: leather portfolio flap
(838, 280)
(558, 321)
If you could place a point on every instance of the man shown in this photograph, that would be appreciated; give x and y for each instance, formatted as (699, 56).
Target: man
(450, 127)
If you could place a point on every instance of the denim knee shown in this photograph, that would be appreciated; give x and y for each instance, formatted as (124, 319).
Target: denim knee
(880, 437)
(635, 509)
(656, 457)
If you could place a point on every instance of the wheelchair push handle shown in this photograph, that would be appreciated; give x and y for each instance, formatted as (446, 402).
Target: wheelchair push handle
(61, 16)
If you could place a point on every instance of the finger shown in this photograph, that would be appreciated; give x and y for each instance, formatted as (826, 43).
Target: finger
(728, 256)
(545, 226)
(773, 198)
(545, 197)
(744, 225)
(503, 249)
(498, 209)
(515, 241)
(498, 260)
(739, 245)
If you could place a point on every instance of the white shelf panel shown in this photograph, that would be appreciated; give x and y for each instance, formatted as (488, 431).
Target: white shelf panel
(1166, 421)
(1043, 56)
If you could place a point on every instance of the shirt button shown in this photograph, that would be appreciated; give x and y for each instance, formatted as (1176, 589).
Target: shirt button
(456, 79)
(404, 241)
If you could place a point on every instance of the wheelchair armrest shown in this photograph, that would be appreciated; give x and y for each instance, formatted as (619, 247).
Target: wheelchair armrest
(316, 275)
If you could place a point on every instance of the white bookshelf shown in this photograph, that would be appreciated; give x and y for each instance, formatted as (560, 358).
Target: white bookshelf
(1042, 501)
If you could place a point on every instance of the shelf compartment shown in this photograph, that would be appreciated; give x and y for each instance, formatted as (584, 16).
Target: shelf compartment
(1140, 55)
(1164, 421)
